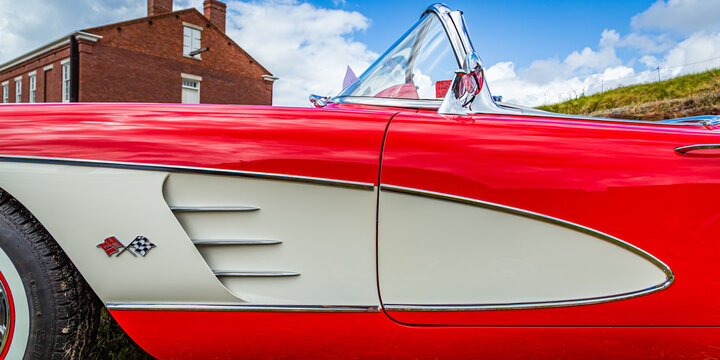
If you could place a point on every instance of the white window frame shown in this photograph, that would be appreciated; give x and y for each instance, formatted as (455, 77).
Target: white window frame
(5, 92)
(18, 89)
(66, 75)
(32, 86)
(190, 79)
(192, 40)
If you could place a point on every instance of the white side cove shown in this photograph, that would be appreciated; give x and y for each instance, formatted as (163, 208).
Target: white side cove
(278, 242)
(439, 252)
(323, 233)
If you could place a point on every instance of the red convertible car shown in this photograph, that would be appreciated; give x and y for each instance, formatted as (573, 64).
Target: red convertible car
(412, 216)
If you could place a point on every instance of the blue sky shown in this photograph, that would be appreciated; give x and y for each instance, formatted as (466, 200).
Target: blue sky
(534, 52)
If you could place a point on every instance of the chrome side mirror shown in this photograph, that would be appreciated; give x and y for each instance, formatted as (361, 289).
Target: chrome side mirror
(319, 101)
(465, 87)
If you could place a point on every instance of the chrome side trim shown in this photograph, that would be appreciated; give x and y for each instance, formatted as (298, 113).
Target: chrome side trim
(546, 114)
(669, 276)
(689, 148)
(235, 242)
(255, 273)
(528, 305)
(390, 102)
(505, 109)
(212, 208)
(235, 307)
(704, 120)
(185, 169)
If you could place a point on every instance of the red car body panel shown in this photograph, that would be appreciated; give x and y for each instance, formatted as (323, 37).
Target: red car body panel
(622, 179)
(618, 178)
(257, 335)
(340, 145)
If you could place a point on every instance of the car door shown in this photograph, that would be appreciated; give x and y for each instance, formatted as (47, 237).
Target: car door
(519, 220)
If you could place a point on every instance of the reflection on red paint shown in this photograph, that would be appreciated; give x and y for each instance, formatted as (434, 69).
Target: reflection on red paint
(342, 145)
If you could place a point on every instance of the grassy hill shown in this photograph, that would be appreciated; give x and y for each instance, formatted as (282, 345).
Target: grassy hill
(689, 95)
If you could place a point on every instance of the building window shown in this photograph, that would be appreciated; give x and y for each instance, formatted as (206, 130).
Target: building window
(66, 81)
(32, 80)
(191, 40)
(5, 92)
(191, 89)
(18, 89)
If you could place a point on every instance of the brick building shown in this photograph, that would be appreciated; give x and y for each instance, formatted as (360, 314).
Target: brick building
(166, 57)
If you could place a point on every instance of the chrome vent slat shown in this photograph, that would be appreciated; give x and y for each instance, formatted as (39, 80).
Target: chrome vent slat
(213, 208)
(235, 242)
(255, 273)
(224, 224)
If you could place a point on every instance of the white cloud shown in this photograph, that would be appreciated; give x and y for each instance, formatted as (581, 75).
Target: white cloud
(307, 47)
(501, 71)
(646, 44)
(27, 24)
(681, 16)
(503, 81)
(698, 52)
(650, 61)
(584, 61)
(186, 4)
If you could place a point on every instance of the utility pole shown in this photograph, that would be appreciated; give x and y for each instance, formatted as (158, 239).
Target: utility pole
(658, 72)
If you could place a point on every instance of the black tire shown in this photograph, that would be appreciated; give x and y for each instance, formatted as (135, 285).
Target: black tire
(62, 309)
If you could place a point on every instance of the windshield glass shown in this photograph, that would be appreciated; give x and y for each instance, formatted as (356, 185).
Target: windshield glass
(419, 66)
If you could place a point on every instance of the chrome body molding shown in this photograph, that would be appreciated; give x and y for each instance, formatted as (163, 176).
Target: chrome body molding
(255, 273)
(669, 276)
(235, 242)
(185, 169)
(243, 307)
(517, 110)
(390, 102)
(689, 148)
(213, 208)
(705, 120)
(528, 305)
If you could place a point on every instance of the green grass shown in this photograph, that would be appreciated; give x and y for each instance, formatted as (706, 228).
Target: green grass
(688, 86)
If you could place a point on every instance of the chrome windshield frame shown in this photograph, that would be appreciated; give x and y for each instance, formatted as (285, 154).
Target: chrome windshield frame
(458, 44)
(453, 22)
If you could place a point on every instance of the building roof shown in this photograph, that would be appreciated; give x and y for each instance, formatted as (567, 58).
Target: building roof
(79, 34)
(179, 12)
(88, 35)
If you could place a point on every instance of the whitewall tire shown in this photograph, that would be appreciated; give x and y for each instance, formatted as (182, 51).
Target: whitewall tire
(47, 310)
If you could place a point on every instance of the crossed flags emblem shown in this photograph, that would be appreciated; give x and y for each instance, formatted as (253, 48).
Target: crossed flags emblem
(113, 246)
